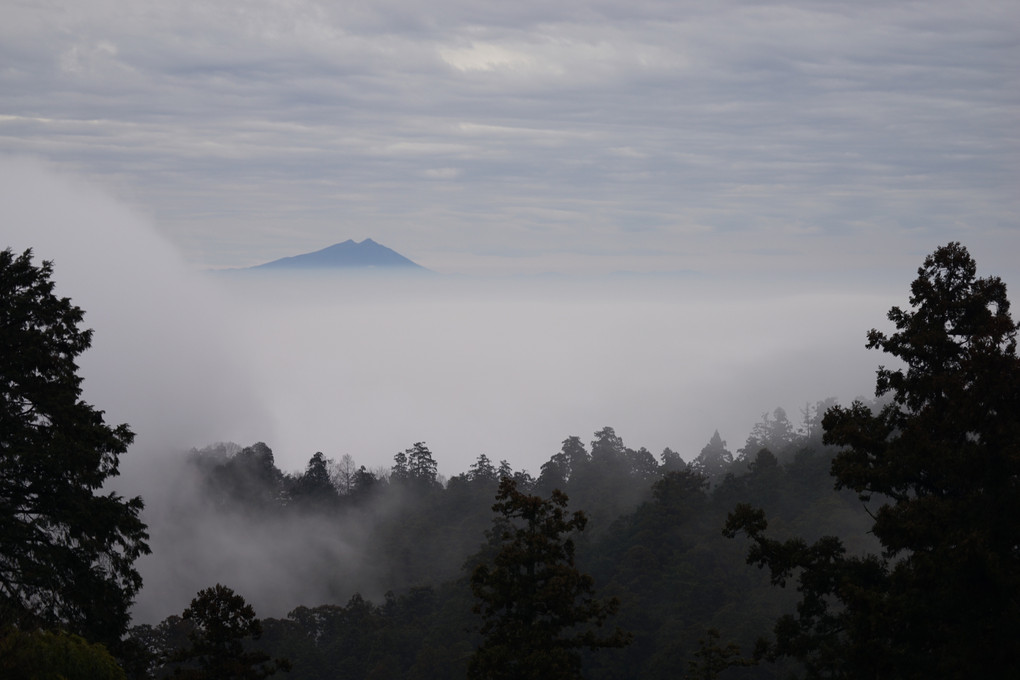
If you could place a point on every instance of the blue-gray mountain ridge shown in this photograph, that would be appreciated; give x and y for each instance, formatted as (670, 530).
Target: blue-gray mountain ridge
(347, 255)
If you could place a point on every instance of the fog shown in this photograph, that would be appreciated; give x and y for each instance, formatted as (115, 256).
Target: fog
(277, 561)
(511, 367)
(368, 365)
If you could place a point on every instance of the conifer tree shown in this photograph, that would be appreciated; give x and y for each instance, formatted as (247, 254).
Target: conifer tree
(538, 609)
(939, 468)
(67, 551)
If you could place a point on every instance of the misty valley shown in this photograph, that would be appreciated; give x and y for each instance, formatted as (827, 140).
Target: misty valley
(378, 560)
(868, 538)
(528, 340)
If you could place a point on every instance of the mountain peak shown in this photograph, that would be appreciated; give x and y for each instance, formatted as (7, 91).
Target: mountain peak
(349, 254)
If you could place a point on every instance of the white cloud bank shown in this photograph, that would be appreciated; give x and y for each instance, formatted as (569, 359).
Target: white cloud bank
(508, 367)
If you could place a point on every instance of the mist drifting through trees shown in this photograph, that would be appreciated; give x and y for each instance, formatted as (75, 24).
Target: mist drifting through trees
(365, 366)
(340, 375)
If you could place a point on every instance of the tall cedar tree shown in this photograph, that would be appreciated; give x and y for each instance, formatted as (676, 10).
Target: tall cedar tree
(941, 462)
(66, 551)
(538, 610)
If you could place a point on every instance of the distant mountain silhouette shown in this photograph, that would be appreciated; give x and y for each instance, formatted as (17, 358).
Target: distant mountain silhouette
(347, 255)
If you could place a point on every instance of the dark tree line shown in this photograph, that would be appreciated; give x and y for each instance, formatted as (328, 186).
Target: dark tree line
(659, 552)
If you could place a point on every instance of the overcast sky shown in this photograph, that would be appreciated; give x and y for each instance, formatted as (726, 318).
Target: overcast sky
(533, 135)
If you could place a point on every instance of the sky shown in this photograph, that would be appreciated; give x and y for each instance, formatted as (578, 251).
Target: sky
(756, 182)
(808, 138)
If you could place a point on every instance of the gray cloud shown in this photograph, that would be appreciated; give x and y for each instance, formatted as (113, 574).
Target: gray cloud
(559, 133)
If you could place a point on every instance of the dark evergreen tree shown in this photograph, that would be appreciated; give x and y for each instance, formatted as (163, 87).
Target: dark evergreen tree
(570, 460)
(714, 460)
(554, 473)
(607, 446)
(67, 552)
(671, 461)
(615, 479)
(364, 483)
(399, 473)
(575, 454)
(223, 621)
(538, 609)
(941, 461)
(422, 468)
(482, 470)
(415, 467)
(314, 487)
(505, 470)
(643, 465)
(523, 480)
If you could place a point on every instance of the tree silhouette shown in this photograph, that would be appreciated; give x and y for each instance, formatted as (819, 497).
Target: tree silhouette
(314, 487)
(416, 468)
(67, 553)
(538, 609)
(714, 460)
(222, 622)
(942, 463)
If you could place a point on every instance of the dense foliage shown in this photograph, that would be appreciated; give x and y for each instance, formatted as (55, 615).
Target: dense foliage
(56, 655)
(220, 624)
(538, 610)
(940, 463)
(67, 551)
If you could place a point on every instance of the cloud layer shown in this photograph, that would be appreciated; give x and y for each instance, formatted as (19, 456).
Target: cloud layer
(538, 136)
(508, 367)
